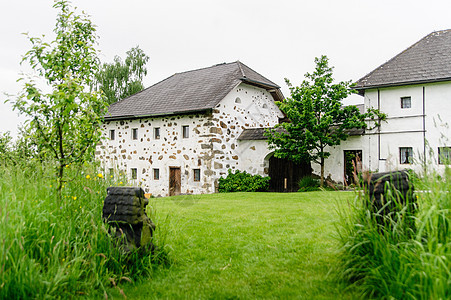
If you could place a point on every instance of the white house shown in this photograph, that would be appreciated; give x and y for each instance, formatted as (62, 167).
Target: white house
(185, 132)
(414, 90)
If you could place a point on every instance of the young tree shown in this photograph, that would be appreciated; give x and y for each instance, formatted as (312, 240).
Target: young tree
(66, 120)
(119, 80)
(317, 118)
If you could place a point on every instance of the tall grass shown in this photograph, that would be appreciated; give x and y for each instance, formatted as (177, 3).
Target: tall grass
(51, 248)
(404, 256)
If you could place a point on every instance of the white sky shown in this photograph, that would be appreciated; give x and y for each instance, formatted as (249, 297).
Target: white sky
(278, 39)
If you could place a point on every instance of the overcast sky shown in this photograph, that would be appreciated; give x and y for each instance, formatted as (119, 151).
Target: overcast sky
(278, 38)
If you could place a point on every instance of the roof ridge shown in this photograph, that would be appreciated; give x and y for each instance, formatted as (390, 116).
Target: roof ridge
(204, 68)
(366, 77)
(241, 68)
(394, 57)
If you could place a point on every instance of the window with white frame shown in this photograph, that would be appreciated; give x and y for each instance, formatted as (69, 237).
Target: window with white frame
(444, 155)
(405, 155)
(196, 174)
(134, 173)
(112, 134)
(185, 131)
(134, 133)
(156, 174)
(156, 133)
(406, 102)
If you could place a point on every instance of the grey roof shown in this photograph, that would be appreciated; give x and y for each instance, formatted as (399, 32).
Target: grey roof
(428, 60)
(256, 133)
(190, 91)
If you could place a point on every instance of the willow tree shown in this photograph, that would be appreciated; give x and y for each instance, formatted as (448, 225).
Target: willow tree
(318, 119)
(121, 79)
(66, 117)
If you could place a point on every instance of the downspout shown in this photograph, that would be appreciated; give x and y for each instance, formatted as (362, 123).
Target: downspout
(424, 125)
(378, 129)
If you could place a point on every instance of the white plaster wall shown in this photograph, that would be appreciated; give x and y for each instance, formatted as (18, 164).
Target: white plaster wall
(211, 147)
(404, 128)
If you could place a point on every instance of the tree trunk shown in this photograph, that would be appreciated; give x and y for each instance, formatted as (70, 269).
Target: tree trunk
(322, 171)
(60, 174)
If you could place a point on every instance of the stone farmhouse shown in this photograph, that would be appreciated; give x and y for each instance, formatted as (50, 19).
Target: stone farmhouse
(414, 90)
(182, 134)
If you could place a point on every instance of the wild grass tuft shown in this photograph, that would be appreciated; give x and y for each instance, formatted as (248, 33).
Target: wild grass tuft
(60, 249)
(400, 255)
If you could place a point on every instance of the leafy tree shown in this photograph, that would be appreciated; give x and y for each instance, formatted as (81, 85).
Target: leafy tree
(66, 121)
(119, 79)
(317, 118)
(5, 147)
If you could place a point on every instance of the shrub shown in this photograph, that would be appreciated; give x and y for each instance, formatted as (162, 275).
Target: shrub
(309, 184)
(243, 182)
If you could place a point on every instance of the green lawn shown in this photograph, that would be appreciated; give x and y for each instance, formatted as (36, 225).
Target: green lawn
(245, 246)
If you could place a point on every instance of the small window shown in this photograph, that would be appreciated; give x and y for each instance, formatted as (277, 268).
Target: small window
(444, 155)
(156, 174)
(134, 173)
(185, 131)
(406, 102)
(112, 134)
(134, 133)
(405, 155)
(196, 174)
(156, 133)
(237, 100)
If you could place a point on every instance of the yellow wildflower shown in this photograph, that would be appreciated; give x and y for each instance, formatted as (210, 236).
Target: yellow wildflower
(120, 182)
(87, 176)
(75, 198)
(100, 175)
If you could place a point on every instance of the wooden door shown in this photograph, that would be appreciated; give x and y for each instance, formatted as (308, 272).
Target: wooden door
(352, 165)
(175, 181)
(285, 174)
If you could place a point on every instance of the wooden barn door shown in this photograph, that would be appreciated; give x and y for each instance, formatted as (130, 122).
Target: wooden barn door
(285, 174)
(175, 181)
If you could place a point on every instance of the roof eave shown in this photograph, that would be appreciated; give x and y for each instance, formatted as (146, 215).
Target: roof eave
(134, 117)
(375, 86)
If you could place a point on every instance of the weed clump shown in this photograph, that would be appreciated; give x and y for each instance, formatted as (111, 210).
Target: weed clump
(401, 253)
(51, 248)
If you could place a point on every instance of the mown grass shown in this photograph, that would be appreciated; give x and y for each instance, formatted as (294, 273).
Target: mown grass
(59, 249)
(246, 246)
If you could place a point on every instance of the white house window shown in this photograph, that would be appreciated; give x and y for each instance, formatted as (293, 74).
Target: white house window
(444, 155)
(134, 133)
(406, 102)
(134, 173)
(156, 133)
(156, 174)
(237, 100)
(112, 134)
(405, 155)
(185, 131)
(196, 174)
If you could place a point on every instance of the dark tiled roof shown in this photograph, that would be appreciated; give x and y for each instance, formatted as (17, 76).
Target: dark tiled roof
(256, 133)
(190, 91)
(428, 60)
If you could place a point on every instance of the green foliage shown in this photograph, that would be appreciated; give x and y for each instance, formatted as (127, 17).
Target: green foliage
(19, 152)
(317, 117)
(61, 250)
(309, 184)
(119, 79)
(65, 121)
(243, 182)
(384, 256)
